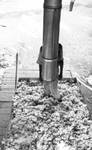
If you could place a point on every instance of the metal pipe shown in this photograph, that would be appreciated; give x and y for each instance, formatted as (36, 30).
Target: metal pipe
(51, 28)
(52, 9)
(48, 59)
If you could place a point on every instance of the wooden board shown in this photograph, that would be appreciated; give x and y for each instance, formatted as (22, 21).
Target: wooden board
(34, 74)
(6, 94)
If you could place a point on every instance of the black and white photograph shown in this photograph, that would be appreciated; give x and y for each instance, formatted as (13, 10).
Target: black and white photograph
(45, 74)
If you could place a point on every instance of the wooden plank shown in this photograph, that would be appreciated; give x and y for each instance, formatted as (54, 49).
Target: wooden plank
(6, 96)
(7, 104)
(5, 111)
(3, 131)
(1, 137)
(4, 120)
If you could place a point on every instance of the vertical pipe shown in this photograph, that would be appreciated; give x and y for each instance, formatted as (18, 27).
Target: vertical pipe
(52, 9)
(51, 19)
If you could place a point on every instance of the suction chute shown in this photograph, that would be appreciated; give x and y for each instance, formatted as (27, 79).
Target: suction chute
(50, 58)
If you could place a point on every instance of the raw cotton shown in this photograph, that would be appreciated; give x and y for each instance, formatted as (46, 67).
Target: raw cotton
(40, 122)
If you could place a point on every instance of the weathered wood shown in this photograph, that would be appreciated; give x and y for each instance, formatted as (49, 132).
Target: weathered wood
(4, 120)
(5, 111)
(6, 95)
(3, 131)
(5, 104)
(1, 137)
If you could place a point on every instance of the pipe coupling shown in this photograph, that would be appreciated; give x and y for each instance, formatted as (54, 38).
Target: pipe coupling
(49, 70)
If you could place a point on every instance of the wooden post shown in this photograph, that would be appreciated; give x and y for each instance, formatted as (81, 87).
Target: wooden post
(16, 73)
(71, 5)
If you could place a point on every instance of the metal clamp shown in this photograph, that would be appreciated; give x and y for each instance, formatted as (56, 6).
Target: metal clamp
(47, 68)
(50, 65)
(60, 62)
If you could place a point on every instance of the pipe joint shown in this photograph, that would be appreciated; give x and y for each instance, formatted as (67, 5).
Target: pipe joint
(49, 70)
(52, 4)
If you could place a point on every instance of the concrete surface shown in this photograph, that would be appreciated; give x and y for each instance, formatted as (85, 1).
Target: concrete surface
(21, 28)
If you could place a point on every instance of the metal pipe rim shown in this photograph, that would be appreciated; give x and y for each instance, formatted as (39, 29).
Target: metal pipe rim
(52, 7)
